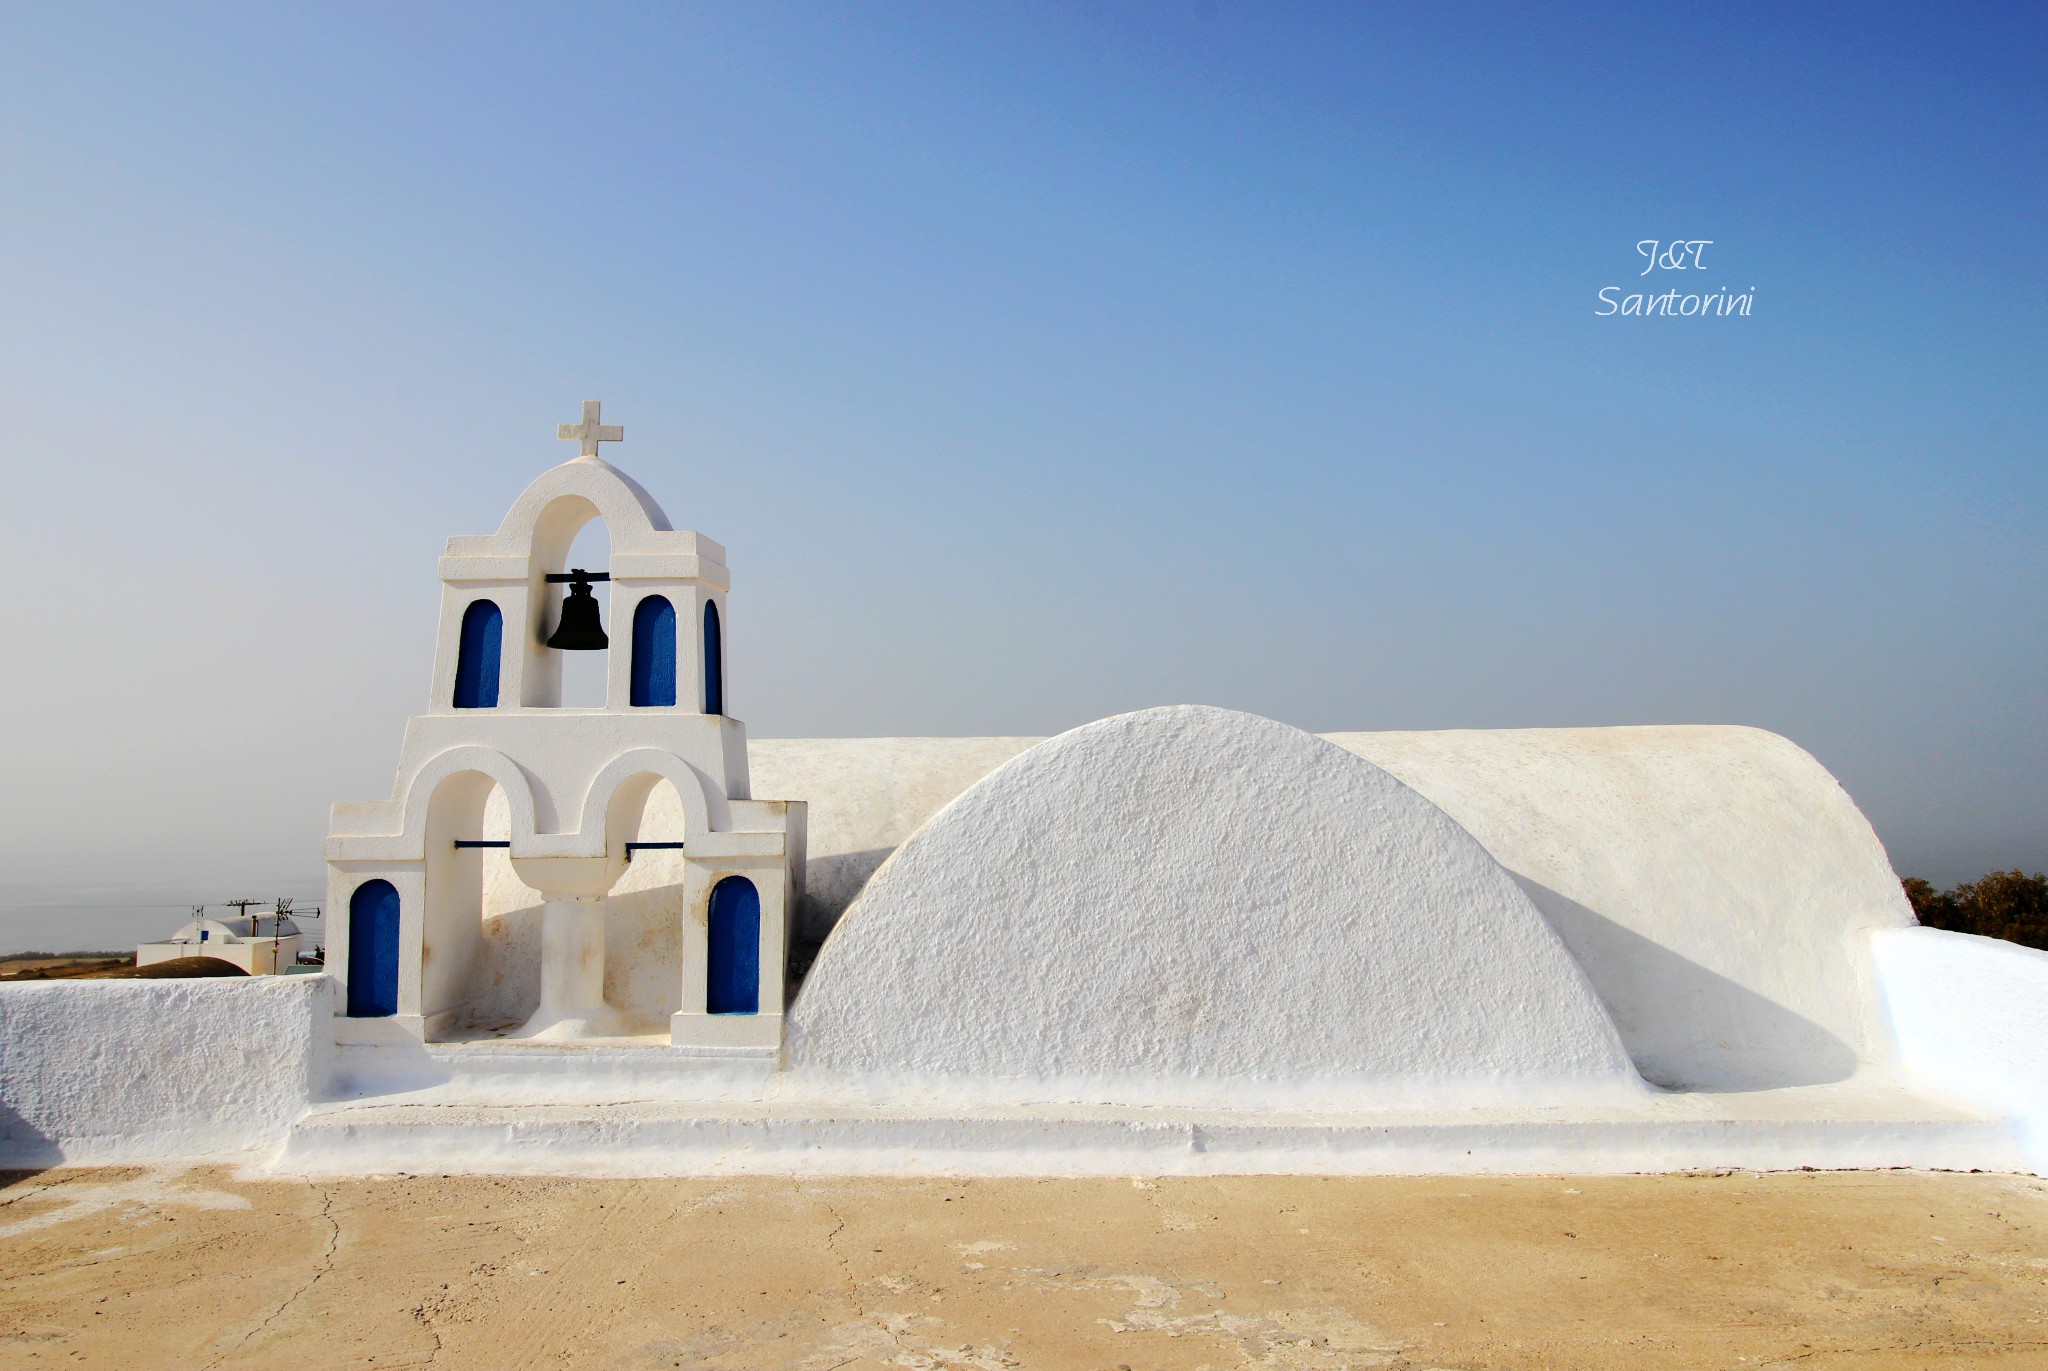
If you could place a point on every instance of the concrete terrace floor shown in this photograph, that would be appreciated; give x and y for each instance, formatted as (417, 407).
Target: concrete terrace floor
(193, 1269)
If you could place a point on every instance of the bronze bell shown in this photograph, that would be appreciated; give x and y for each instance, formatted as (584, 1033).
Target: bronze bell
(581, 628)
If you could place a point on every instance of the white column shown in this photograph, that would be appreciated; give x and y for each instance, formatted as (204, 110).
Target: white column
(572, 1003)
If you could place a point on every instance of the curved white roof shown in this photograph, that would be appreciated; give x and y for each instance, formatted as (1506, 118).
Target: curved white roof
(1193, 905)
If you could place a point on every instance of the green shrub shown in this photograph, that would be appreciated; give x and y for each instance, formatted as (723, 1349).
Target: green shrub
(2005, 904)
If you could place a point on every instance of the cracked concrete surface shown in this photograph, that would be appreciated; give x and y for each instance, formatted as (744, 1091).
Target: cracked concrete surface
(320, 1269)
(130, 1268)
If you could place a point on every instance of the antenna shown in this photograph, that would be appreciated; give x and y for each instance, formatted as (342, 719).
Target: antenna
(243, 906)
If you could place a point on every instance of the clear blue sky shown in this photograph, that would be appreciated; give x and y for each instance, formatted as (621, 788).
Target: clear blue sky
(1034, 363)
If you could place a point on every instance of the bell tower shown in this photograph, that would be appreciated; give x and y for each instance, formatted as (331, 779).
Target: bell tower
(574, 784)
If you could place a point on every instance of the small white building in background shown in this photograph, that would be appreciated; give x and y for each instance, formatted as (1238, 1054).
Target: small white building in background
(239, 940)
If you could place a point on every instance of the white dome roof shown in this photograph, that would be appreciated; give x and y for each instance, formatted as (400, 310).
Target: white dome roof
(1196, 905)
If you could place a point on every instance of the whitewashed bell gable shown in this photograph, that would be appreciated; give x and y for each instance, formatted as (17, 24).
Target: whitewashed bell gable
(574, 781)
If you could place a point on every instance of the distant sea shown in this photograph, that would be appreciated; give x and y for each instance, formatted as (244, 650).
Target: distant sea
(116, 905)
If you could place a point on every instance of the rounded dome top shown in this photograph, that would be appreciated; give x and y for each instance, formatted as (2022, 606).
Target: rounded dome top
(1194, 905)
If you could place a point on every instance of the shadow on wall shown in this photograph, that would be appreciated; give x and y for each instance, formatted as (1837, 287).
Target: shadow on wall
(643, 966)
(504, 982)
(24, 1148)
(399, 1064)
(1687, 1027)
(830, 885)
(643, 954)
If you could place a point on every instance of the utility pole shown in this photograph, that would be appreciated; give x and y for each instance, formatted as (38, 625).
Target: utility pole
(243, 906)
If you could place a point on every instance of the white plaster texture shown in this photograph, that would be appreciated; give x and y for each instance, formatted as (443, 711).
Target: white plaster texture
(1714, 882)
(110, 1071)
(642, 1133)
(1970, 1016)
(874, 792)
(1196, 906)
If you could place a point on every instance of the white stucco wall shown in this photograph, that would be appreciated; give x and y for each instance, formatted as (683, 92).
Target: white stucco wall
(1714, 882)
(1970, 1017)
(874, 793)
(110, 1071)
(643, 930)
(1193, 905)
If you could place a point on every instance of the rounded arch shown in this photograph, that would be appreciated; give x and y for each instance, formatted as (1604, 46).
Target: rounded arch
(577, 678)
(561, 500)
(373, 921)
(621, 788)
(489, 762)
(732, 961)
(479, 656)
(714, 660)
(451, 913)
(555, 530)
(654, 653)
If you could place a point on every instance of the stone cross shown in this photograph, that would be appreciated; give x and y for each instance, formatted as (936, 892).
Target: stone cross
(590, 432)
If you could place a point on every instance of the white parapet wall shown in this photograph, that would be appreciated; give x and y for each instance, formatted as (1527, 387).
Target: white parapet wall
(117, 1071)
(1970, 1019)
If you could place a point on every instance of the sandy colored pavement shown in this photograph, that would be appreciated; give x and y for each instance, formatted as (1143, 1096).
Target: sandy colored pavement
(146, 1269)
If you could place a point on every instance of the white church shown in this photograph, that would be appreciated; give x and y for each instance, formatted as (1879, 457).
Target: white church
(1181, 940)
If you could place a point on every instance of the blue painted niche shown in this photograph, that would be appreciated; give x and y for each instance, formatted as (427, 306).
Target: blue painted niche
(714, 663)
(734, 984)
(476, 660)
(373, 950)
(654, 652)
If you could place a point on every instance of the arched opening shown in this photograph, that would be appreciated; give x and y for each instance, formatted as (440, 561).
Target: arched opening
(500, 983)
(478, 655)
(733, 984)
(373, 950)
(714, 662)
(644, 914)
(451, 925)
(654, 652)
(585, 675)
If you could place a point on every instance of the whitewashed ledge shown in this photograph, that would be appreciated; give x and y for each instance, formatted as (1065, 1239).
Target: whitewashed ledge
(1853, 1125)
(102, 1072)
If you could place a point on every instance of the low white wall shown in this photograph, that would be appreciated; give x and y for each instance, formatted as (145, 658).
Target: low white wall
(110, 1071)
(1969, 1017)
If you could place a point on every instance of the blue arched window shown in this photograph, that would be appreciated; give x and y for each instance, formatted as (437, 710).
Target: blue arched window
(733, 985)
(476, 660)
(373, 950)
(714, 662)
(654, 652)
